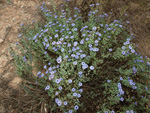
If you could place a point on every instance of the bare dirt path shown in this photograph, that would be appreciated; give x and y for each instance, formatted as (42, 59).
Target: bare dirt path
(11, 16)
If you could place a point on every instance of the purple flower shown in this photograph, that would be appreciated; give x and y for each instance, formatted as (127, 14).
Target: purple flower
(45, 52)
(81, 90)
(73, 24)
(108, 80)
(73, 89)
(59, 60)
(87, 39)
(92, 67)
(74, 94)
(75, 63)
(66, 37)
(65, 103)
(84, 66)
(123, 52)
(76, 107)
(119, 84)
(80, 84)
(83, 35)
(82, 41)
(121, 78)
(75, 43)
(70, 111)
(60, 88)
(70, 81)
(99, 38)
(110, 49)
(71, 37)
(94, 28)
(78, 95)
(108, 36)
(57, 81)
(97, 3)
(47, 87)
(122, 99)
(75, 29)
(19, 35)
(134, 69)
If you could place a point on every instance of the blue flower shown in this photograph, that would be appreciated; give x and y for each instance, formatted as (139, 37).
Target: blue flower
(91, 5)
(83, 35)
(70, 111)
(76, 107)
(92, 67)
(59, 103)
(70, 81)
(122, 99)
(73, 89)
(134, 69)
(123, 52)
(73, 49)
(121, 78)
(47, 87)
(90, 45)
(110, 49)
(120, 25)
(59, 60)
(73, 24)
(97, 3)
(57, 81)
(65, 103)
(56, 35)
(75, 15)
(75, 43)
(108, 36)
(87, 39)
(112, 111)
(19, 35)
(99, 38)
(45, 67)
(66, 37)
(108, 80)
(75, 29)
(60, 88)
(76, 57)
(75, 63)
(74, 94)
(82, 41)
(81, 90)
(80, 84)
(94, 28)
(71, 37)
(78, 95)
(56, 93)
(45, 52)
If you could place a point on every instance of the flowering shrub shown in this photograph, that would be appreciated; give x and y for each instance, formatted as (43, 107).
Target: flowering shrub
(85, 66)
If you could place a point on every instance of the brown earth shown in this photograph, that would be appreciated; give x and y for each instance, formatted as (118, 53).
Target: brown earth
(16, 12)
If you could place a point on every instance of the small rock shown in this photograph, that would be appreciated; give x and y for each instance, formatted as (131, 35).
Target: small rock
(1, 40)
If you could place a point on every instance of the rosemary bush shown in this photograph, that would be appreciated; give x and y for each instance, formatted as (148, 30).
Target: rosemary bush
(84, 66)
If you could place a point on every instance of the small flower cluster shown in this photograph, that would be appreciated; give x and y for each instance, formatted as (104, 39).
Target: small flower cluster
(121, 91)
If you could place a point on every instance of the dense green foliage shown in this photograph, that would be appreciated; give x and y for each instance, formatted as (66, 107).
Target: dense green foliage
(85, 66)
